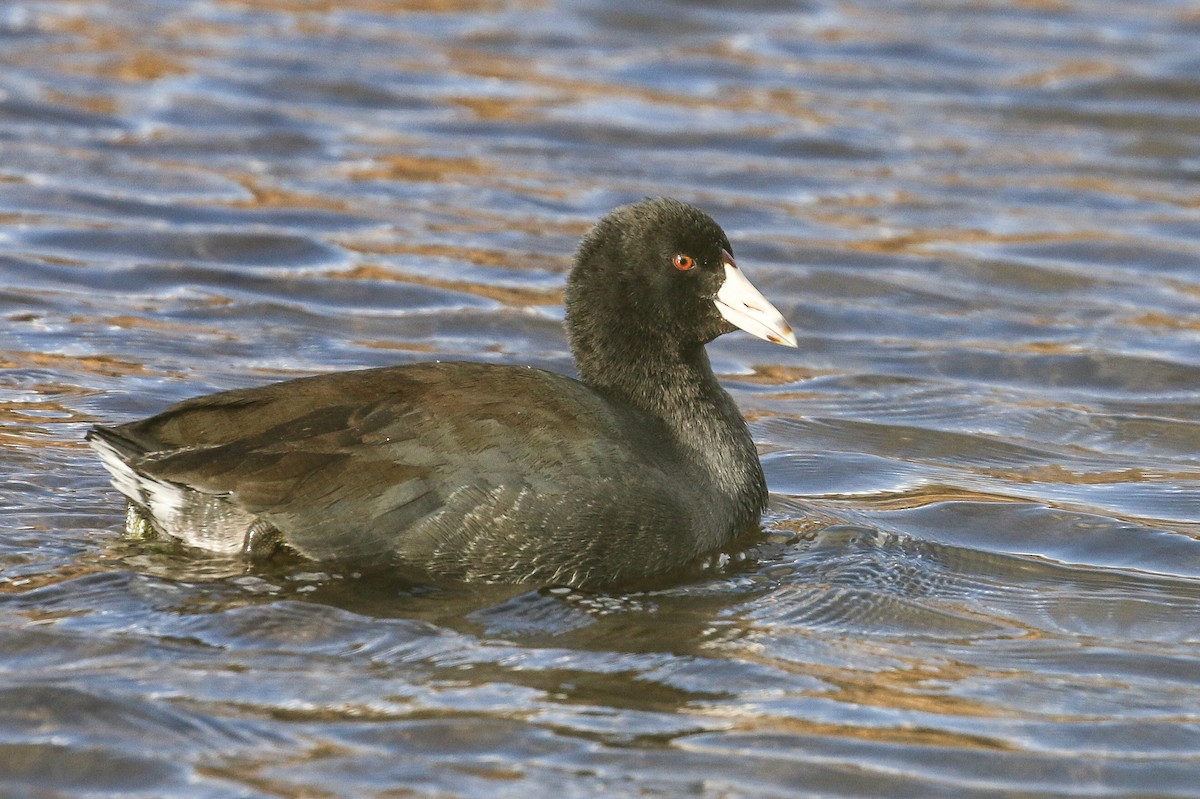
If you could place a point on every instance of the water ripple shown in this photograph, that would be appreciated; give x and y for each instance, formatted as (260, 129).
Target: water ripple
(979, 574)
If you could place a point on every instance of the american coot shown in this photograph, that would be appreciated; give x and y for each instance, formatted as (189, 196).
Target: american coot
(485, 472)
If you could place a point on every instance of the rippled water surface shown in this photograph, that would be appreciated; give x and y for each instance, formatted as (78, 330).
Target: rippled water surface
(981, 575)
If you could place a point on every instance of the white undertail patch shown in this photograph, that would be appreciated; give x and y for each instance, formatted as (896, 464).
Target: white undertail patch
(195, 519)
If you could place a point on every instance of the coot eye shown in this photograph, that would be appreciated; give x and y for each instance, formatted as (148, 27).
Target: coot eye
(684, 262)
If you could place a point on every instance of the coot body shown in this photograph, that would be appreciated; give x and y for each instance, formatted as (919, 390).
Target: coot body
(486, 472)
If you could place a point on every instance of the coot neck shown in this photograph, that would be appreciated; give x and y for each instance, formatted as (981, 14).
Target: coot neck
(672, 385)
(676, 386)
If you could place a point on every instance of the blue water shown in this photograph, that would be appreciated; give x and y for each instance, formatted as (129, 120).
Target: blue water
(981, 569)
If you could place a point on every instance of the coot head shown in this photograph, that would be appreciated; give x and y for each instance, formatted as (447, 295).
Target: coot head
(655, 281)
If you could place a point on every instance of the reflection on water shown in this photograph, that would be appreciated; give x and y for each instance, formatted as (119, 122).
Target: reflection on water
(982, 569)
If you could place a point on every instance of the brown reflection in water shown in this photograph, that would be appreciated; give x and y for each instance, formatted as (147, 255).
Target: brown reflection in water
(1068, 71)
(1162, 320)
(914, 688)
(142, 65)
(1184, 288)
(104, 365)
(397, 346)
(286, 199)
(492, 109)
(24, 424)
(508, 295)
(928, 240)
(778, 375)
(472, 255)
(911, 689)
(917, 498)
(408, 167)
(909, 736)
(151, 323)
(1052, 473)
(412, 168)
(95, 104)
(1183, 196)
(556, 89)
(23, 421)
(805, 526)
(62, 574)
(115, 58)
(535, 226)
(382, 7)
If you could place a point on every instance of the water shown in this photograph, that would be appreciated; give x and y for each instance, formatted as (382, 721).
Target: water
(982, 570)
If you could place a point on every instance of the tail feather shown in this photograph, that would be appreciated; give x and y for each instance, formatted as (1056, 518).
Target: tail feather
(109, 437)
(170, 508)
(116, 454)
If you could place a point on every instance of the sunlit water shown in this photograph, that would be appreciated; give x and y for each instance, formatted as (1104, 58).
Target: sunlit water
(981, 575)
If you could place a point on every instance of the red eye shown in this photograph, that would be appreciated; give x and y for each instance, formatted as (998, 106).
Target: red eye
(684, 262)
